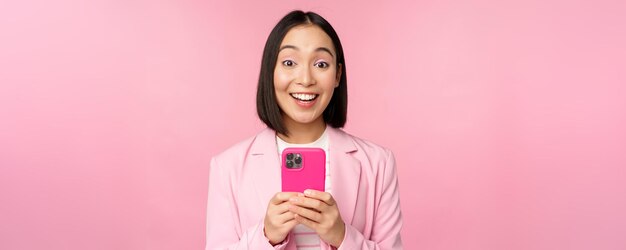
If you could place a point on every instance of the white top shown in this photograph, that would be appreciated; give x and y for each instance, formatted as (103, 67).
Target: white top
(305, 237)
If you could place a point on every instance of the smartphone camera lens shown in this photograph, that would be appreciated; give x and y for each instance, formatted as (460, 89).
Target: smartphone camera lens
(290, 156)
(289, 164)
(298, 160)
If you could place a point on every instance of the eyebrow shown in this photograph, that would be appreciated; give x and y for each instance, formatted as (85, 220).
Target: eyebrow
(296, 48)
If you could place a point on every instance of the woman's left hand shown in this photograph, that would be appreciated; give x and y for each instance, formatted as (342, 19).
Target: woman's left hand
(318, 211)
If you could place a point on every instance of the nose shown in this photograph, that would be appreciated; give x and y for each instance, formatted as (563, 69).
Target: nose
(305, 76)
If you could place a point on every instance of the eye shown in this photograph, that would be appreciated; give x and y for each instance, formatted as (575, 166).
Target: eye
(289, 63)
(322, 65)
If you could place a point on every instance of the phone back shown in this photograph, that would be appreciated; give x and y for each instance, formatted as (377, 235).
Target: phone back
(303, 168)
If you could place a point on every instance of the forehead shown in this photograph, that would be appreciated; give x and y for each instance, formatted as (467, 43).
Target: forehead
(308, 37)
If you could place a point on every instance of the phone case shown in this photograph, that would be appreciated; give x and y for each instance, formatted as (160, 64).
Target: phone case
(308, 173)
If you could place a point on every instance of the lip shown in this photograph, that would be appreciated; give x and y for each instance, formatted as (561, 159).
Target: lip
(304, 104)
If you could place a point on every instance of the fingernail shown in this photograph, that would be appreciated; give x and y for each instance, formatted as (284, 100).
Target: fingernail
(300, 194)
(293, 199)
(307, 192)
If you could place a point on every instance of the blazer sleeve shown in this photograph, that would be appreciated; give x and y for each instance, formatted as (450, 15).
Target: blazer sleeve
(387, 218)
(223, 230)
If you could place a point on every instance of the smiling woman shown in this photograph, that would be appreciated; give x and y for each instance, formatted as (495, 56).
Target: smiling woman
(302, 48)
(302, 98)
(305, 59)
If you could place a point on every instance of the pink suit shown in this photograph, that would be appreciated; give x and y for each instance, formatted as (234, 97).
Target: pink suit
(244, 178)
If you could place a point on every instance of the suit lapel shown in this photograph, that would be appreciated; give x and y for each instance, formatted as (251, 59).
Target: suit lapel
(265, 166)
(345, 172)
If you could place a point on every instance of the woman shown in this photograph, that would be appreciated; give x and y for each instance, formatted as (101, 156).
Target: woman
(302, 98)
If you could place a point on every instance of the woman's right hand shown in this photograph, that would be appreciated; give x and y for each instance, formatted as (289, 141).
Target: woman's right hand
(278, 219)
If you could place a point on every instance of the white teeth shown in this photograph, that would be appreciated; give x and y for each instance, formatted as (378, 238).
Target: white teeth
(303, 97)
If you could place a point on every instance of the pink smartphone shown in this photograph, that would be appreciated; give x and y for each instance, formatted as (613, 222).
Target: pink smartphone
(303, 168)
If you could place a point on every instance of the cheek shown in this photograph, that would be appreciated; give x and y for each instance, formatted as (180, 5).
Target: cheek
(328, 80)
(281, 80)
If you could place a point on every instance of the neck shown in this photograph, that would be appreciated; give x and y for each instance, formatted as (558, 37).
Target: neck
(300, 133)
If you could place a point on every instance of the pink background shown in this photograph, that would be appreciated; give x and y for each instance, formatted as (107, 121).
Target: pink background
(507, 118)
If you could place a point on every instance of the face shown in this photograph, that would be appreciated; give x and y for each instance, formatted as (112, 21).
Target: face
(306, 74)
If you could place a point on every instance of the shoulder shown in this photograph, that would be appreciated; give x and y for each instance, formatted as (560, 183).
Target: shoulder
(376, 161)
(367, 147)
(238, 151)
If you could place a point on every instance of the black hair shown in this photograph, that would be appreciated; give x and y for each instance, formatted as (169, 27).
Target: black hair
(266, 105)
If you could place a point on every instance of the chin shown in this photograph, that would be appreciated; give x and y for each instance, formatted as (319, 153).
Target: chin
(304, 119)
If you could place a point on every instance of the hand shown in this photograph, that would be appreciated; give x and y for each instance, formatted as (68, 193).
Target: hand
(318, 211)
(278, 219)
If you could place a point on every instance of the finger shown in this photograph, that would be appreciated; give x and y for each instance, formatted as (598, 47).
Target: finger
(307, 213)
(281, 197)
(284, 218)
(291, 224)
(304, 221)
(280, 208)
(323, 196)
(309, 203)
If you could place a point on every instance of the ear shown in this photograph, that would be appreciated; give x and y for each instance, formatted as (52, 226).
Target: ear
(339, 72)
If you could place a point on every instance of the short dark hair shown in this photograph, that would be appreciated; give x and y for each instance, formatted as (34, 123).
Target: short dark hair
(267, 108)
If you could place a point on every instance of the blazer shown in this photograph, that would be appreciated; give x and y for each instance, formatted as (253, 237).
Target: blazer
(243, 179)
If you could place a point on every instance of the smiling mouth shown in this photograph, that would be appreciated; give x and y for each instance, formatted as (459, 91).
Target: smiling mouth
(304, 97)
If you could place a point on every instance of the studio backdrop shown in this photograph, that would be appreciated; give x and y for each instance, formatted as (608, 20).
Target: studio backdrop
(507, 118)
